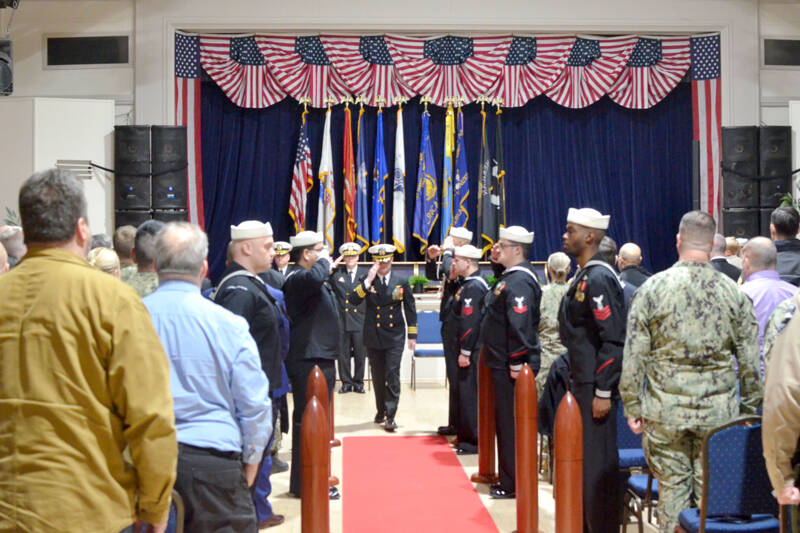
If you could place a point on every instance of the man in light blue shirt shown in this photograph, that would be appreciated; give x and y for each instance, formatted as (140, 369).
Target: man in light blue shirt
(223, 412)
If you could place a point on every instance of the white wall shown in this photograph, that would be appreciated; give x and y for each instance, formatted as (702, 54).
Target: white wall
(156, 21)
(778, 18)
(16, 150)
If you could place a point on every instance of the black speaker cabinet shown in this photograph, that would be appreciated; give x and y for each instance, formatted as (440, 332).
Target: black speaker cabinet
(171, 215)
(169, 167)
(765, 214)
(132, 167)
(740, 153)
(740, 223)
(130, 218)
(775, 159)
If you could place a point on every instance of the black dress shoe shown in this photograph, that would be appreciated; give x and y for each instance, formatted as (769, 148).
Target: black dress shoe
(494, 486)
(359, 389)
(345, 388)
(446, 430)
(466, 451)
(390, 425)
(379, 418)
(333, 493)
(501, 494)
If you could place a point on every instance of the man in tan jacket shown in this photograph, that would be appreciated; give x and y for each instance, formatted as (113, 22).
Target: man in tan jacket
(84, 376)
(781, 420)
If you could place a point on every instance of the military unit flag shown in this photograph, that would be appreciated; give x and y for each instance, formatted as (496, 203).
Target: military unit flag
(379, 175)
(362, 218)
(326, 211)
(461, 186)
(447, 174)
(426, 205)
(399, 187)
(499, 172)
(487, 211)
(349, 179)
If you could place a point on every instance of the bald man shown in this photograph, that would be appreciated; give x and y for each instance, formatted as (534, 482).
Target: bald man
(629, 262)
(3, 259)
(762, 283)
(718, 260)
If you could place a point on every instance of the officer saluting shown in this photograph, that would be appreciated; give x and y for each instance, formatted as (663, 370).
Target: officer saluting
(464, 329)
(509, 330)
(591, 323)
(275, 277)
(343, 281)
(450, 283)
(388, 296)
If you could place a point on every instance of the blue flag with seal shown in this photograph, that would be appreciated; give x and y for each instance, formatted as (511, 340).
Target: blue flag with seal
(362, 218)
(461, 186)
(379, 175)
(426, 204)
(447, 174)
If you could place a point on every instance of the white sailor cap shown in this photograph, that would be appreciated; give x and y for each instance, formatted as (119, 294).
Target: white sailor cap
(516, 234)
(461, 233)
(588, 217)
(350, 248)
(382, 252)
(306, 238)
(468, 251)
(282, 248)
(250, 229)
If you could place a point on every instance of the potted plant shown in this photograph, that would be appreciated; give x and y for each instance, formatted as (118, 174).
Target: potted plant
(418, 283)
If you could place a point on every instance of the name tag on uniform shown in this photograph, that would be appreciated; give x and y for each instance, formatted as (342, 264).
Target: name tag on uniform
(397, 293)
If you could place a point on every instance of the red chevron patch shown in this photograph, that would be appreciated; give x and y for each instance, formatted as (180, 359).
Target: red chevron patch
(602, 314)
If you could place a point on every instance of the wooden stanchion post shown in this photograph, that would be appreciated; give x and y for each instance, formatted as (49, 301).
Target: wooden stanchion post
(315, 457)
(486, 430)
(318, 387)
(568, 483)
(334, 441)
(525, 432)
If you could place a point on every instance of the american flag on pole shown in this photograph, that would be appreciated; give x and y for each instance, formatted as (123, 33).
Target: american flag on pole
(302, 179)
(707, 115)
(531, 66)
(349, 179)
(592, 68)
(238, 67)
(326, 212)
(188, 75)
(448, 66)
(302, 68)
(655, 67)
(365, 65)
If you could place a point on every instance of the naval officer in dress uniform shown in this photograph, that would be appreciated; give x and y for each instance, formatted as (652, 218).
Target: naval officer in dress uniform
(275, 277)
(388, 296)
(450, 283)
(464, 330)
(314, 336)
(509, 330)
(591, 323)
(343, 281)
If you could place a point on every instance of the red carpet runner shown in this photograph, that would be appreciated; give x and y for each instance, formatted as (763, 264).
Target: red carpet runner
(409, 485)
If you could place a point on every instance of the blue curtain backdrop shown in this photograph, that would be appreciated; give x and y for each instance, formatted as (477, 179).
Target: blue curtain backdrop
(634, 165)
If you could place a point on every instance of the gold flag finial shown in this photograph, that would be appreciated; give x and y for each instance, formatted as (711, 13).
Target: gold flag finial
(483, 100)
(399, 101)
(425, 101)
(330, 102)
(347, 100)
(360, 100)
(379, 101)
(304, 101)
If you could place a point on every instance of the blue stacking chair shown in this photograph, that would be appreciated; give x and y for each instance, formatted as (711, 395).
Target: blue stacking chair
(429, 340)
(736, 493)
(629, 445)
(176, 514)
(641, 494)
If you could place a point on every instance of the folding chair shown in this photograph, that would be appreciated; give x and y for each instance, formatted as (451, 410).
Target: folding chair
(176, 514)
(736, 493)
(641, 494)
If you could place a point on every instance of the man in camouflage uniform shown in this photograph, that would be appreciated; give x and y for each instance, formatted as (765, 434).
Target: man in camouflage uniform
(123, 240)
(145, 279)
(686, 326)
(778, 320)
(557, 270)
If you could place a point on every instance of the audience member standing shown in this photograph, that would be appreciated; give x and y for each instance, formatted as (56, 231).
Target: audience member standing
(781, 421)
(784, 222)
(465, 330)
(762, 283)
(608, 251)
(145, 279)
(629, 262)
(509, 331)
(222, 406)
(276, 276)
(733, 252)
(241, 290)
(558, 268)
(343, 281)
(686, 326)
(104, 259)
(591, 322)
(388, 298)
(718, 260)
(442, 271)
(315, 335)
(124, 238)
(11, 237)
(84, 378)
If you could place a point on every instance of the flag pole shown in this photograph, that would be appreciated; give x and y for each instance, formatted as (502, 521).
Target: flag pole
(399, 101)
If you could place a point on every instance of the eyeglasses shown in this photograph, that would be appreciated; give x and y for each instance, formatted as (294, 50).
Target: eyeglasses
(504, 245)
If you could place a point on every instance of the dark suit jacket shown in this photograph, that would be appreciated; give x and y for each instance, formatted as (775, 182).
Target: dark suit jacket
(789, 260)
(352, 316)
(634, 275)
(383, 320)
(721, 264)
